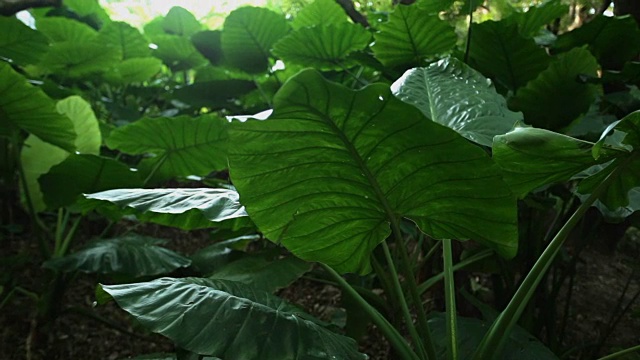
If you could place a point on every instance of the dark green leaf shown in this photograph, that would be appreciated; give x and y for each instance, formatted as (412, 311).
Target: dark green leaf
(19, 43)
(184, 208)
(209, 45)
(248, 35)
(613, 40)
(531, 158)
(177, 52)
(179, 21)
(498, 51)
(323, 47)
(221, 253)
(61, 29)
(87, 8)
(133, 70)
(80, 174)
(321, 13)
(77, 60)
(132, 255)
(257, 325)
(124, 36)
(453, 94)
(327, 170)
(263, 272)
(559, 89)
(27, 107)
(217, 94)
(182, 145)
(530, 22)
(412, 36)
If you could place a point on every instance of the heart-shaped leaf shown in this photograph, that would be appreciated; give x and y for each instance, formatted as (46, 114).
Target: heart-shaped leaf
(133, 70)
(229, 320)
(184, 208)
(182, 145)
(248, 35)
(20, 43)
(530, 22)
(62, 29)
(131, 42)
(452, 94)
(411, 36)
(323, 47)
(78, 60)
(331, 168)
(179, 21)
(26, 107)
(320, 12)
(132, 255)
(177, 52)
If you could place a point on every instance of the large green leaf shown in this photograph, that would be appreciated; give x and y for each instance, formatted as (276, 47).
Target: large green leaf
(177, 52)
(248, 35)
(37, 156)
(77, 60)
(133, 70)
(556, 97)
(19, 43)
(79, 174)
(62, 29)
(530, 22)
(323, 47)
(182, 145)
(215, 256)
(331, 167)
(452, 94)
(132, 255)
(88, 9)
(498, 51)
(179, 21)
(531, 158)
(131, 42)
(263, 271)
(209, 45)
(320, 12)
(184, 208)
(28, 108)
(411, 36)
(613, 40)
(229, 320)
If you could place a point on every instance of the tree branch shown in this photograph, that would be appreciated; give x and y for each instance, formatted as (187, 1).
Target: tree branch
(10, 7)
(350, 9)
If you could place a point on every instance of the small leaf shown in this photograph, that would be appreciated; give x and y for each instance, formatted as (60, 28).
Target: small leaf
(27, 107)
(248, 35)
(131, 42)
(558, 88)
(454, 95)
(530, 22)
(434, 6)
(330, 168)
(179, 21)
(182, 145)
(321, 13)
(217, 94)
(411, 36)
(323, 47)
(84, 174)
(263, 272)
(500, 53)
(184, 208)
(191, 312)
(21, 44)
(531, 158)
(132, 255)
(221, 253)
(133, 70)
(177, 52)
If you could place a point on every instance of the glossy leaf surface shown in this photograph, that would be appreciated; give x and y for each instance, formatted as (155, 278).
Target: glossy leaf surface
(183, 208)
(182, 145)
(248, 36)
(411, 36)
(454, 95)
(229, 320)
(132, 255)
(323, 47)
(331, 167)
(215, 256)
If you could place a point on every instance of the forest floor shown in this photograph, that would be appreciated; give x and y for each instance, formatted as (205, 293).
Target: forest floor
(86, 331)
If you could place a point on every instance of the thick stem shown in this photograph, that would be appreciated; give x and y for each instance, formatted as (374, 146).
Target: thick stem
(495, 339)
(395, 339)
(450, 301)
(461, 265)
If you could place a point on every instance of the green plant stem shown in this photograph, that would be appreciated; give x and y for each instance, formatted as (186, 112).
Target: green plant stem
(450, 301)
(61, 225)
(403, 302)
(620, 353)
(423, 326)
(64, 246)
(467, 49)
(155, 169)
(495, 339)
(395, 339)
(461, 265)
